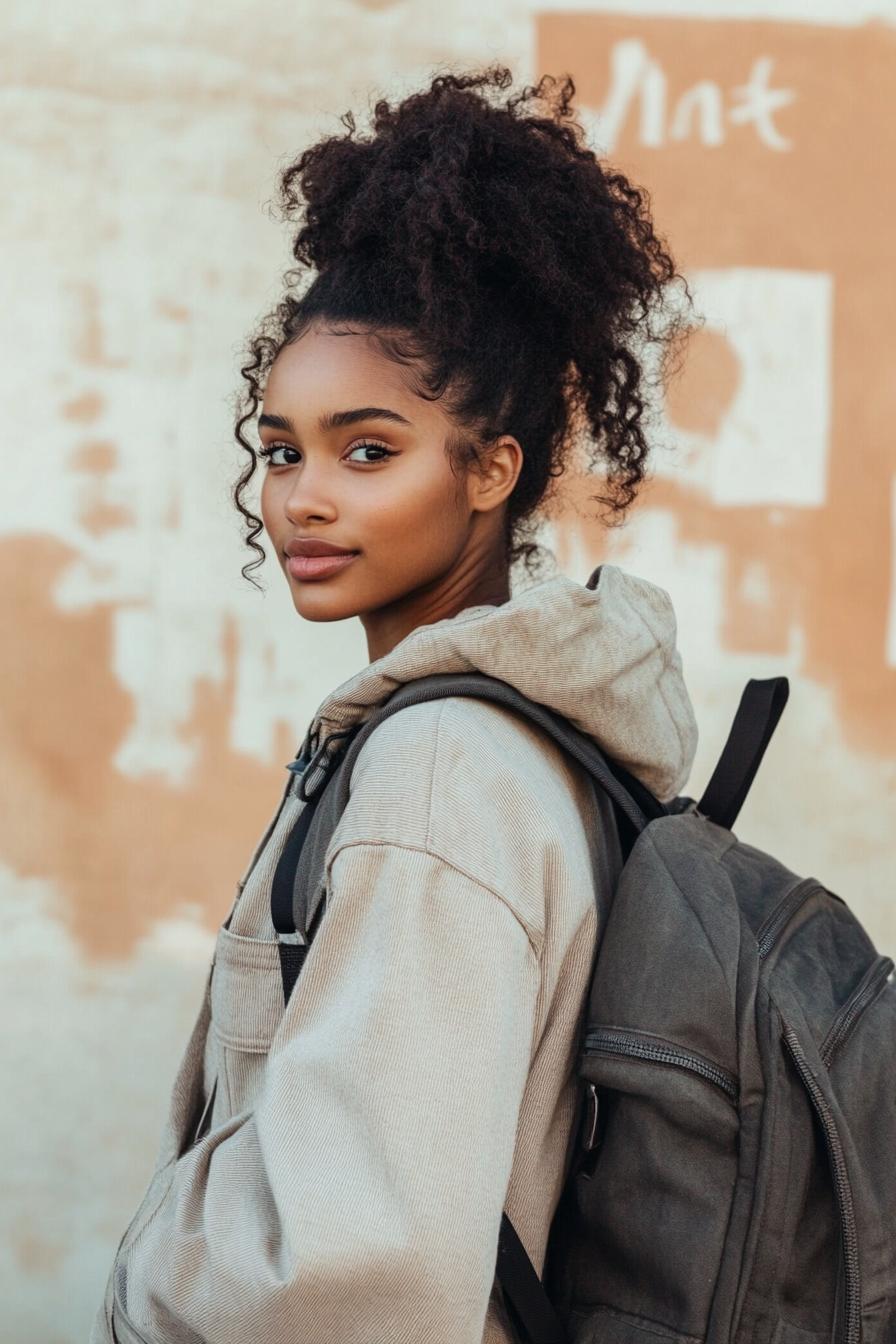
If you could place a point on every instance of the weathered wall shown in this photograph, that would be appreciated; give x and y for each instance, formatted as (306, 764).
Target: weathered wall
(150, 697)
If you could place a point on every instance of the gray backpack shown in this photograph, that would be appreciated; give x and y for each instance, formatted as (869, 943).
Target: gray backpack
(733, 1178)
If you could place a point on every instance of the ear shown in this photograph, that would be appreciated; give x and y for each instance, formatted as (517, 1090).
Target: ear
(489, 484)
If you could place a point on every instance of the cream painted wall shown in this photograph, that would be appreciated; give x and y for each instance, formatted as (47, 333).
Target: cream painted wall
(152, 696)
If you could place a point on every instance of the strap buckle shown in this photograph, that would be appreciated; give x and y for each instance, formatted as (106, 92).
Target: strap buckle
(320, 766)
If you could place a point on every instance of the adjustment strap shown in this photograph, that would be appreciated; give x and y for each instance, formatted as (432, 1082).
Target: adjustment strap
(291, 946)
(528, 1305)
(292, 959)
(760, 708)
(282, 915)
(292, 943)
(293, 952)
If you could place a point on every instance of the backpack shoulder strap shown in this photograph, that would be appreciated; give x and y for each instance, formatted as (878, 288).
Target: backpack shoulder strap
(627, 792)
(761, 706)
(328, 785)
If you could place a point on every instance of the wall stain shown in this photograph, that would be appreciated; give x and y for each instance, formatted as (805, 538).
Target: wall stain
(96, 456)
(89, 345)
(85, 408)
(122, 852)
(175, 311)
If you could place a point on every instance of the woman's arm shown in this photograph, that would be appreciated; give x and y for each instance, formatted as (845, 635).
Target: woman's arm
(360, 1202)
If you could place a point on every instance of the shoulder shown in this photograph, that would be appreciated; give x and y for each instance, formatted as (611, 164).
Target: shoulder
(460, 753)
(478, 786)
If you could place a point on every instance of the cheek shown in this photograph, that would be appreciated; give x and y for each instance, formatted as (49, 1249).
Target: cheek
(425, 512)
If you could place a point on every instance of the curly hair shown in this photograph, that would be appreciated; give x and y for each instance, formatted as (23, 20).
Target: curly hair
(486, 247)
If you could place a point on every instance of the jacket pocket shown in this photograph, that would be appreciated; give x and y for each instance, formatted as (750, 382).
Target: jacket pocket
(246, 1008)
(219, 1075)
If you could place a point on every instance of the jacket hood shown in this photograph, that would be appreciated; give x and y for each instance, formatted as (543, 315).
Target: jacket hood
(603, 654)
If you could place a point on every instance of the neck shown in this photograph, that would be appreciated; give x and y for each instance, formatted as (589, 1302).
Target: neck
(389, 625)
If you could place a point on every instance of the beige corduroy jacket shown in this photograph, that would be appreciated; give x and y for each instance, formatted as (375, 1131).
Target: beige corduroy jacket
(363, 1142)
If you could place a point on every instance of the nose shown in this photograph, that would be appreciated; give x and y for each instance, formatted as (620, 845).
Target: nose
(308, 498)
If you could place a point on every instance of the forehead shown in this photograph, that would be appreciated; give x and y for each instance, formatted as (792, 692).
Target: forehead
(326, 370)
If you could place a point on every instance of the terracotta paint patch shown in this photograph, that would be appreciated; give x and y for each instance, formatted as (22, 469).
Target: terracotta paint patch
(89, 346)
(101, 517)
(85, 408)
(122, 852)
(97, 456)
(35, 1254)
(176, 311)
(769, 145)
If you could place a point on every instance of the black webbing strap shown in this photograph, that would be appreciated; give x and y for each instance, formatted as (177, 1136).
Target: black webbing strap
(282, 915)
(527, 1303)
(760, 708)
(292, 955)
(292, 959)
(292, 952)
(295, 932)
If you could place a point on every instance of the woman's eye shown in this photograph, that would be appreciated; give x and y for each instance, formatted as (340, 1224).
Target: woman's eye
(372, 447)
(268, 453)
(272, 448)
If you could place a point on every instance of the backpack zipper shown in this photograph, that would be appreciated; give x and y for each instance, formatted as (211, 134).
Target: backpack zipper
(863, 996)
(773, 926)
(852, 1305)
(617, 1043)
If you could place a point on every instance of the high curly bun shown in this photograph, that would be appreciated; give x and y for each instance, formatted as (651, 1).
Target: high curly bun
(523, 276)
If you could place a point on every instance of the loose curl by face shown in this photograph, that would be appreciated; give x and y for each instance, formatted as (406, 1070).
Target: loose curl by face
(483, 245)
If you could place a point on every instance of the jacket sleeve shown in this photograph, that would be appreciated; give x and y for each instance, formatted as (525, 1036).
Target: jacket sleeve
(361, 1200)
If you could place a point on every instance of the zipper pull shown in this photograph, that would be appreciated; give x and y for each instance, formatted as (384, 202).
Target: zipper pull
(589, 1119)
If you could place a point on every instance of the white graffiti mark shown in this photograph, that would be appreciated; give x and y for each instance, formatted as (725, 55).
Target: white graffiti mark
(703, 112)
(759, 102)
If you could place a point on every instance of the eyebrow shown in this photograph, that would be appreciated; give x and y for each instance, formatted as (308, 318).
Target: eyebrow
(335, 419)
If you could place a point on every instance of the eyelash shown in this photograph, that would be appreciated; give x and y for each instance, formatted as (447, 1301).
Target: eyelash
(266, 452)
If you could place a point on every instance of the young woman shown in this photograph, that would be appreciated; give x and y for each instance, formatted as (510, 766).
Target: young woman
(334, 1171)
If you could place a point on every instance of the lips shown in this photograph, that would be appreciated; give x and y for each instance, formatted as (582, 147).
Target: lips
(318, 566)
(314, 546)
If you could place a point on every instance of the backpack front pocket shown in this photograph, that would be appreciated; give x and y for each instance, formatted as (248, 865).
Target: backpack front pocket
(656, 1186)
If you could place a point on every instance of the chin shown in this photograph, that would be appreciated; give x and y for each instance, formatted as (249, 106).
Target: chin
(322, 607)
